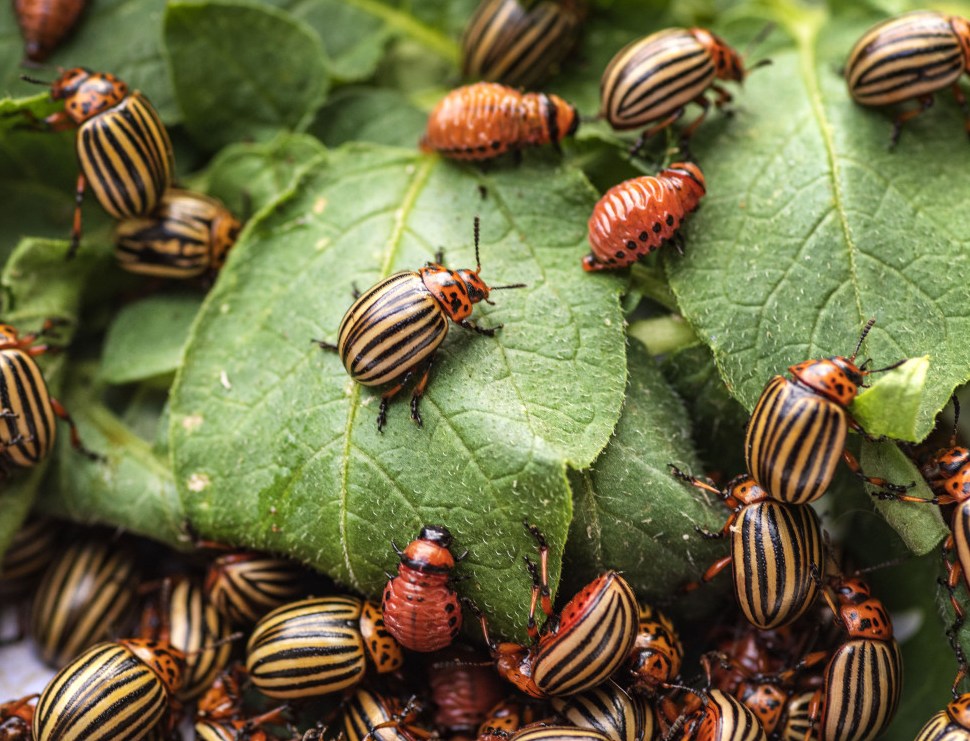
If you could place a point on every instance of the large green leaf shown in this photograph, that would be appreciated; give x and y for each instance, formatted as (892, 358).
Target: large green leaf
(226, 96)
(276, 447)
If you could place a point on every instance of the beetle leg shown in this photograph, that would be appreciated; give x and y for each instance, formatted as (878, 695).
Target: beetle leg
(544, 561)
(325, 345)
(705, 104)
(897, 489)
(647, 133)
(715, 568)
(925, 101)
(419, 392)
(488, 332)
(61, 412)
(76, 230)
(723, 98)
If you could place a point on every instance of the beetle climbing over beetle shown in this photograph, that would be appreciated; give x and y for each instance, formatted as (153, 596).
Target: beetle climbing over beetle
(395, 327)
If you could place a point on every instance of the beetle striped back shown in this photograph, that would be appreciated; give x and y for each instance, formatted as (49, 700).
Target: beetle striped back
(307, 648)
(504, 42)
(28, 425)
(960, 527)
(797, 718)
(187, 235)
(394, 326)
(773, 548)
(126, 155)
(364, 713)
(863, 682)
(245, 586)
(653, 77)
(29, 552)
(587, 647)
(905, 57)
(609, 709)
(193, 625)
(941, 727)
(558, 733)
(85, 593)
(105, 694)
(727, 719)
(794, 441)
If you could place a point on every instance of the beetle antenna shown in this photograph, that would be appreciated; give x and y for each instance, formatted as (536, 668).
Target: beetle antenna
(514, 285)
(35, 81)
(478, 262)
(888, 367)
(865, 331)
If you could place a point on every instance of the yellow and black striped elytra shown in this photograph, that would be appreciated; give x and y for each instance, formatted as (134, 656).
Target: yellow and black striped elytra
(952, 723)
(519, 44)
(30, 552)
(797, 720)
(774, 549)
(593, 637)
(610, 710)
(863, 683)
(194, 624)
(794, 441)
(722, 718)
(243, 586)
(314, 647)
(107, 693)
(559, 733)
(653, 79)
(392, 330)
(85, 594)
(367, 715)
(122, 147)
(187, 236)
(909, 56)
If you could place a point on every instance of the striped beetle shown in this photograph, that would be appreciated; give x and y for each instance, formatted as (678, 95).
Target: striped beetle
(773, 549)
(122, 147)
(654, 79)
(115, 691)
(45, 23)
(420, 608)
(27, 425)
(29, 553)
(245, 585)
(559, 733)
(798, 428)
(610, 710)
(319, 646)
(717, 716)
(639, 215)
(194, 625)
(368, 715)
(187, 236)
(864, 676)
(576, 650)
(238, 728)
(395, 327)
(953, 722)
(86, 591)
(910, 56)
(484, 120)
(519, 44)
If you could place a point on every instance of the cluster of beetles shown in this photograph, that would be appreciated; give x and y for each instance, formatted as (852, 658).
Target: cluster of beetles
(231, 642)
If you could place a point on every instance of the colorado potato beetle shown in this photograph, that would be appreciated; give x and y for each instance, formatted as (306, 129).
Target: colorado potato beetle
(559, 733)
(368, 715)
(319, 646)
(774, 547)
(45, 23)
(953, 722)
(114, 691)
(85, 592)
(863, 678)
(637, 216)
(245, 585)
(17, 718)
(609, 709)
(654, 79)
(122, 147)
(518, 43)
(910, 56)
(27, 425)
(201, 633)
(798, 428)
(576, 650)
(29, 553)
(420, 608)
(394, 328)
(717, 716)
(187, 236)
(484, 120)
